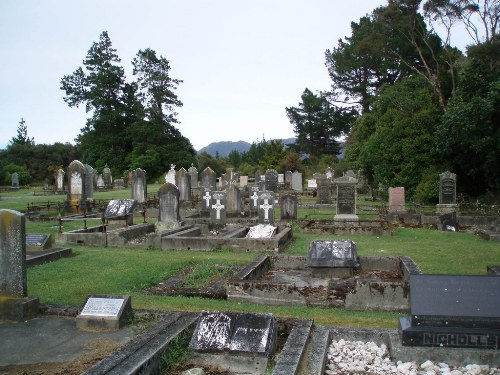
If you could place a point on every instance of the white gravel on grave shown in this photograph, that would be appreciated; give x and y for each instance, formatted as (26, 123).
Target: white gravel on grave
(367, 358)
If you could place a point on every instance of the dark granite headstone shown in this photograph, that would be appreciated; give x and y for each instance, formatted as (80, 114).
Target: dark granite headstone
(271, 183)
(119, 208)
(235, 333)
(332, 253)
(323, 195)
(266, 207)
(346, 198)
(453, 311)
(288, 207)
(288, 179)
(89, 181)
(38, 241)
(169, 197)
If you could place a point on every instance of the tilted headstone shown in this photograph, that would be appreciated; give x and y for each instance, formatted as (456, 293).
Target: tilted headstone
(266, 207)
(139, 186)
(76, 181)
(288, 207)
(107, 177)
(323, 195)
(169, 196)
(14, 303)
(183, 182)
(233, 200)
(460, 311)
(271, 183)
(254, 198)
(397, 199)
(251, 340)
(208, 179)
(297, 181)
(60, 180)
(170, 175)
(346, 198)
(120, 208)
(193, 172)
(447, 188)
(332, 253)
(89, 181)
(218, 208)
(15, 180)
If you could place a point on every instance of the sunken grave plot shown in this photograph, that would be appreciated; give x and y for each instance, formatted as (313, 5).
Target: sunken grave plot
(332, 275)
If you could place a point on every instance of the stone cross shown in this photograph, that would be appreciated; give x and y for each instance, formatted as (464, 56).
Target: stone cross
(255, 198)
(266, 207)
(206, 197)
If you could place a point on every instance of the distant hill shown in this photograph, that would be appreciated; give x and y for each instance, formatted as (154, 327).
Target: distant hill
(225, 147)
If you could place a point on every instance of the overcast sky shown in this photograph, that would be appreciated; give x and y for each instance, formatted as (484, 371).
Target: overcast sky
(242, 61)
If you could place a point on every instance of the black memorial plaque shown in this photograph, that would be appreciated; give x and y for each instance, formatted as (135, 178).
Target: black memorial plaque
(119, 208)
(332, 253)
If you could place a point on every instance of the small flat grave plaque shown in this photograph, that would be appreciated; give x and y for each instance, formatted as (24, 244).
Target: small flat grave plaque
(104, 312)
(119, 208)
(261, 231)
(328, 253)
(38, 241)
(102, 306)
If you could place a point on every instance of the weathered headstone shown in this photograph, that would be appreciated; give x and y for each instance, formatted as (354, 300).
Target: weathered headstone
(346, 198)
(243, 181)
(324, 195)
(230, 177)
(15, 180)
(169, 197)
(183, 182)
(297, 181)
(311, 184)
(266, 207)
(119, 183)
(271, 182)
(460, 311)
(257, 177)
(254, 198)
(76, 181)
(397, 199)
(14, 304)
(288, 179)
(60, 181)
(139, 187)
(170, 175)
(447, 193)
(107, 177)
(104, 313)
(100, 182)
(329, 173)
(332, 257)
(208, 179)
(240, 342)
(350, 173)
(288, 207)
(89, 181)
(193, 172)
(233, 200)
(218, 209)
(281, 180)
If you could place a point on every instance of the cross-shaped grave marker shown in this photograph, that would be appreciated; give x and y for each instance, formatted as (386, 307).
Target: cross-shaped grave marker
(218, 207)
(266, 207)
(255, 197)
(206, 197)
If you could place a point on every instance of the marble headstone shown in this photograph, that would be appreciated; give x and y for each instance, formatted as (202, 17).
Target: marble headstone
(218, 208)
(76, 181)
(297, 181)
(139, 186)
(266, 207)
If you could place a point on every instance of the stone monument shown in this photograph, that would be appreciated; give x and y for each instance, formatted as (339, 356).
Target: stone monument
(271, 182)
(288, 207)
(447, 193)
(169, 197)
(397, 200)
(139, 187)
(346, 198)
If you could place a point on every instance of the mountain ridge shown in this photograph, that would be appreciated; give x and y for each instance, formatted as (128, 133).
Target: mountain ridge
(223, 148)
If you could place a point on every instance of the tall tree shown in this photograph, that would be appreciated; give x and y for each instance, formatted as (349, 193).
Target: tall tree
(318, 124)
(22, 135)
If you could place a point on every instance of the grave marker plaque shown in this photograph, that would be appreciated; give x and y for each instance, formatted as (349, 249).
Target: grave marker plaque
(103, 312)
(119, 208)
(38, 241)
(254, 198)
(261, 231)
(397, 199)
(76, 183)
(447, 188)
(323, 195)
(332, 253)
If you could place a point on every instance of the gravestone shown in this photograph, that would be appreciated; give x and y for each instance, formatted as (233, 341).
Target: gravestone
(261, 231)
(205, 199)
(208, 179)
(230, 177)
(107, 177)
(119, 183)
(257, 178)
(243, 181)
(183, 182)
(218, 209)
(100, 182)
(311, 184)
(323, 195)
(350, 173)
(169, 197)
(222, 184)
(333, 258)
(397, 199)
(233, 200)
(254, 198)
(329, 173)
(193, 172)
(120, 209)
(15, 180)
(38, 241)
(456, 311)
(297, 181)
(447, 193)
(89, 181)
(76, 182)
(288, 179)
(271, 181)
(170, 175)
(238, 342)
(346, 198)
(288, 207)
(266, 207)
(104, 313)
(14, 303)
(139, 187)
(59, 178)
(281, 180)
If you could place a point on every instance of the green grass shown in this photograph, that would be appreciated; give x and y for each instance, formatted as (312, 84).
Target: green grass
(93, 270)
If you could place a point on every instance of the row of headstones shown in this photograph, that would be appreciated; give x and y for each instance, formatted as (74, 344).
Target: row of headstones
(82, 179)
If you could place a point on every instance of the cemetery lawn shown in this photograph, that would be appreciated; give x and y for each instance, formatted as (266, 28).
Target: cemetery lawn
(93, 270)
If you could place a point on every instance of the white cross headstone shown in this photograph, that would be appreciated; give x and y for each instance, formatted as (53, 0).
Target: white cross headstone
(255, 197)
(266, 207)
(206, 197)
(218, 207)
